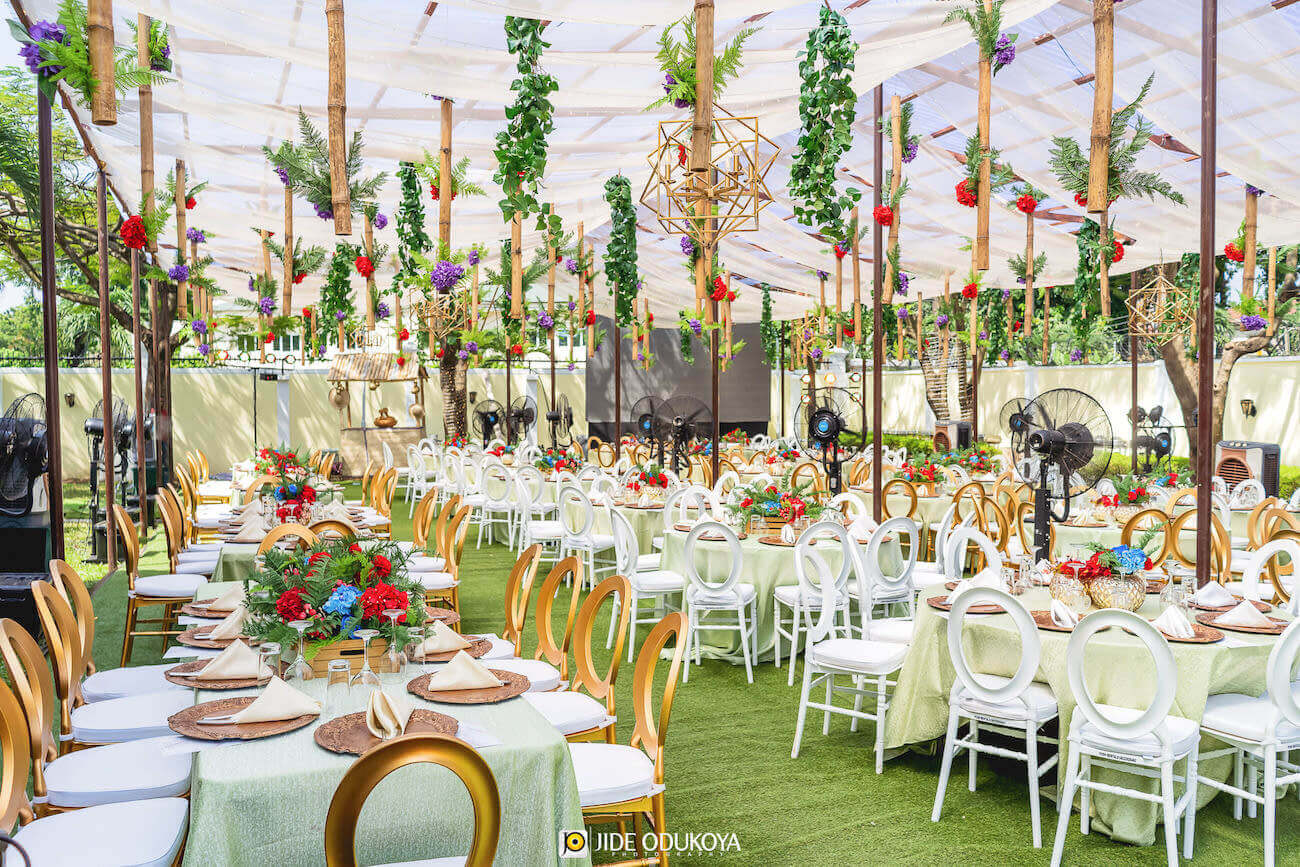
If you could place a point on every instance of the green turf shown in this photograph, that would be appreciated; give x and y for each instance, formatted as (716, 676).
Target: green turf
(729, 769)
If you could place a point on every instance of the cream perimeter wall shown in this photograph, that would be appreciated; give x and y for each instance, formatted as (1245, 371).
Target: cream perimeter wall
(214, 408)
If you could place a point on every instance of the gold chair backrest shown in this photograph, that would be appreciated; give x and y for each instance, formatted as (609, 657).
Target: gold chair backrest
(1275, 519)
(313, 459)
(73, 590)
(188, 496)
(1254, 526)
(64, 641)
(423, 518)
(1150, 519)
(383, 490)
(600, 686)
(327, 465)
(30, 677)
(1176, 499)
(15, 806)
(204, 467)
(807, 468)
(1219, 545)
(651, 728)
(725, 464)
(972, 491)
(254, 488)
(195, 473)
(445, 514)
(1022, 521)
(365, 481)
(454, 541)
(519, 592)
(304, 537)
(995, 523)
(605, 455)
(366, 773)
(129, 548)
(333, 527)
(557, 652)
(904, 487)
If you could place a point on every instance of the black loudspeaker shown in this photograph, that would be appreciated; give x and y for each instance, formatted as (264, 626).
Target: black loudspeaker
(26, 544)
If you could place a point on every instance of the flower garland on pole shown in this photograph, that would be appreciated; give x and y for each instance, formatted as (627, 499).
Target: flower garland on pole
(898, 127)
(769, 332)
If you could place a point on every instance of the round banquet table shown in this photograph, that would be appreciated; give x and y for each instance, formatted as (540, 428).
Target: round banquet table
(1079, 536)
(766, 567)
(929, 510)
(1118, 672)
(264, 801)
(236, 561)
(647, 523)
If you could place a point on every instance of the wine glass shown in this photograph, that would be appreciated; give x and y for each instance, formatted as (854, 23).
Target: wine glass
(396, 660)
(300, 669)
(338, 688)
(366, 676)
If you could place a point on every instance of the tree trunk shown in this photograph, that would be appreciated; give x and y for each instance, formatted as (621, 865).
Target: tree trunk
(451, 381)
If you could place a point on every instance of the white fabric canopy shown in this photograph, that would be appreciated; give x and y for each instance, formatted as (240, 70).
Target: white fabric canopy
(244, 68)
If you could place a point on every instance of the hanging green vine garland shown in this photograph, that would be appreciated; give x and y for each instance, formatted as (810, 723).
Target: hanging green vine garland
(336, 292)
(521, 146)
(411, 237)
(826, 112)
(769, 331)
(620, 252)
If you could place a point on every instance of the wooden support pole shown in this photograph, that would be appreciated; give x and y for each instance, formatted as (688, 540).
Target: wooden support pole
(369, 231)
(50, 319)
(444, 173)
(337, 106)
(1249, 265)
(146, 127)
(1205, 318)
(473, 299)
(618, 389)
(1103, 94)
(552, 254)
(264, 321)
(1047, 324)
(286, 291)
(985, 185)
(781, 352)
(103, 100)
(106, 366)
(182, 299)
(821, 307)
(839, 301)
(1107, 253)
(141, 486)
(517, 267)
(895, 178)
(877, 314)
(591, 305)
(1272, 286)
(1133, 399)
(701, 156)
(857, 277)
(1029, 275)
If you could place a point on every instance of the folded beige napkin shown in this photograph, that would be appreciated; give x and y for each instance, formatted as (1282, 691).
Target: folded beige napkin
(1062, 615)
(232, 626)
(387, 715)
(987, 578)
(442, 639)
(1174, 623)
(227, 601)
(236, 662)
(1213, 595)
(1245, 614)
(278, 701)
(336, 512)
(463, 672)
(252, 531)
(787, 534)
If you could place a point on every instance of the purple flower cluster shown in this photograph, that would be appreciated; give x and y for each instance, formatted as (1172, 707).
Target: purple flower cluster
(669, 81)
(251, 287)
(196, 235)
(1254, 190)
(909, 151)
(179, 272)
(199, 326)
(471, 346)
(1004, 51)
(266, 305)
(572, 366)
(688, 246)
(1005, 355)
(282, 175)
(903, 282)
(43, 31)
(822, 275)
(324, 213)
(159, 63)
(382, 311)
(445, 275)
(941, 320)
(462, 354)
(545, 321)
(340, 316)
(984, 335)
(807, 333)
(571, 265)
(573, 305)
(472, 256)
(1076, 355)
(902, 314)
(1251, 322)
(1006, 294)
(381, 222)
(816, 354)
(697, 328)
(204, 349)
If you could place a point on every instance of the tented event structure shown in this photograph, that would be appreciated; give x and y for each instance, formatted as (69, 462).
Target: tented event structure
(485, 384)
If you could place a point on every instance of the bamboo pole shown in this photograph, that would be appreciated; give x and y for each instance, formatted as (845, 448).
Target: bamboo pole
(726, 322)
(1272, 286)
(839, 301)
(1029, 275)
(182, 299)
(1107, 254)
(1047, 323)
(337, 106)
(286, 291)
(551, 252)
(1249, 265)
(516, 267)
(146, 127)
(103, 101)
(49, 321)
(981, 249)
(701, 156)
(947, 295)
(895, 178)
(369, 230)
(141, 486)
(445, 191)
(473, 312)
(821, 308)
(857, 281)
(591, 305)
(397, 320)
(1103, 94)
(263, 321)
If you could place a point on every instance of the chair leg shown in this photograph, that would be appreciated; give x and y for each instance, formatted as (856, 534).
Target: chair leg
(972, 756)
(830, 694)
(1064, 805)
(1238, 769)
(1252, 785)
(857, 703)
(128, 631)
(661, 826)
(794, 640)
(803, 709)
(1189, 818)
(776, 635)
(882, 704)
(1085, 795)
(690, 636)
(633, 604)
(1169, 810)
(1270, 804)
(744, 643)
(1031, 752)
(945, 766)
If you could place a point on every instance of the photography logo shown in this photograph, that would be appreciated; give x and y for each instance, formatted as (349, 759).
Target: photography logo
(573, 845)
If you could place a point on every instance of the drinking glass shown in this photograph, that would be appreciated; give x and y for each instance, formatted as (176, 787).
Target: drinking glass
(338, 689)
(396, 660)
(269, 655)
(366, 676)
(300, 669)
(416, 637)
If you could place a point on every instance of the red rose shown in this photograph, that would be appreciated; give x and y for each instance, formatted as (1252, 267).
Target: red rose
(290, 605)
(663, 480)
(401, 361)
(970, 290)
(354, 548)
(1027, 204)
(591, 317)
(848, 331)
(299, 277)
(1132, 496)
(650, 317)
(1233, 254)
(404, 335)
(731, 296)
(269, 337)
(190, 203)
(965, 195)
(746, 503)
(133, 233)
(841, 251)
(375, 600)
(306, 313)
(317, 557)
(884, 215)
(1119, 252)
(440, 352)
(517, 349)
(1081, 200)
(364, 266)
(381, 566)
(282, 513)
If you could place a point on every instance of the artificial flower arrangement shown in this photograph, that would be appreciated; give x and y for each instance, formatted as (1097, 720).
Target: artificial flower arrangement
(293, 496)
(922, 473)
(501, 450)
(459, 441)
(276, 461)
(974, 460)
(339, 586)
(785, 455)
(780, 501)
(650, 476)
(554, 459)
(1121, 560)
(735, 435)
(1129, 491)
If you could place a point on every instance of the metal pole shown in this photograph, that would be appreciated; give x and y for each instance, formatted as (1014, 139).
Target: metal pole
(141, 491)
(714, 349)
(510, 431)
(106, 367)
(782, 354)
(618, 389)
(877, 323)
(50, 321)
(1205, 320)
(1133, 394)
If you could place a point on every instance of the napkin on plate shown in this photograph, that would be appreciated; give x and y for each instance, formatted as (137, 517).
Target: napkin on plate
(787, 534)
(254, 530)
(1213, 595)
(236, 662)
(1174, 623)
(1062, 615)
(387, 715)
(862, 528)
(442, 639)
(227, 601)
(1245, 614)
(987, 578)
(278, 701)
(337, 512)
(231, 627)
(463, 672)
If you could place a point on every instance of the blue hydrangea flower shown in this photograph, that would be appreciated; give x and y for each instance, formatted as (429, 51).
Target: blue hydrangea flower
(341, 600)
(1131, 559)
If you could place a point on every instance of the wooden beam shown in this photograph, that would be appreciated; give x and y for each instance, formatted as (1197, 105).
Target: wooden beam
(103, 101)
(340, 194)
(1103, 28)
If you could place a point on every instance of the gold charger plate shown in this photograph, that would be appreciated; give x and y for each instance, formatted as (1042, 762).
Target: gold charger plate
(477, 648)
(446, 615)
(650, 508)
(778, 541)
(172, 673)
(1202, 634)
(942, 604)
(190, 638)
(1263, 607)
(1044, 620)
(1278, 627)
(348, 734)
(184, 722)
(707, 537)
(512, 685)
(194, 609)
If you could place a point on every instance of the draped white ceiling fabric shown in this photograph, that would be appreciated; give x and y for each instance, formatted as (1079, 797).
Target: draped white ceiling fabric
(243, 69)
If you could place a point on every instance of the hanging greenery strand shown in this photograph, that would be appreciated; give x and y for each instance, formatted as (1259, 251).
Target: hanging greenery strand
(769, 331)
(677, 60)
(411, 237)
(620, 252)
(521, 146)
(336, 292)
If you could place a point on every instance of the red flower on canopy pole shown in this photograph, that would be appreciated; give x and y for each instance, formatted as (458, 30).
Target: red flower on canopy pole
(884, 215)
(133, 233)
(970, 290)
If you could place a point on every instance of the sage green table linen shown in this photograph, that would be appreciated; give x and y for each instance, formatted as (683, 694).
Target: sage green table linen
(929, 510)
(766, 567)
(264, 802)
(1119, 673)
(235, 562)
(646, 523)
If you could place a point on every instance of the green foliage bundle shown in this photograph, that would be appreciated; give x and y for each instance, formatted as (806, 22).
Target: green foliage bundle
(677, 60)
(307, 166)
(430, 170)
(411, 237)
(1000, 174)
(769, 331)
(336, 292)
(620, 252)
(986, 26)
(521, 146)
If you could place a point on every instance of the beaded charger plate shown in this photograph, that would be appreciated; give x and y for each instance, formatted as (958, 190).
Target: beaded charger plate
(177, 675)
(446, 615)
(1211, 619)
(512, 684)
(1201, 634)
(1263, 607)
(349, 735)
(707, 537)
(942, 604)
(777, 541)
(477, 648)
(186, 723)
(197, 609)
(192, 638)
(1043, 619)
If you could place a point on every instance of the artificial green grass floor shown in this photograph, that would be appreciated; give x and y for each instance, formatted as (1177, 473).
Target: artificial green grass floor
(729, 768)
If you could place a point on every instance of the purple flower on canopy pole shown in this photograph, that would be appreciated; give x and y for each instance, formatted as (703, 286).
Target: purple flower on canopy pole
(324, 213)
(179, 272)
(445, 275)
(50, 31)
(822, 275)
(573, 305)
(902, 314)
(1004, 51)
(1076, 355)
(903, 282)
(688, 246)
(695, 325)
(196, 235)
(1005, 355)
(941, 320)
(160, 65)
(282, 175)
(382, 311)
(984, 335)
(816, 354)
(199, 326)
(266, 305)
(571, 265)
(909, 152)
(380, 221)
(545, 321)
(472, 256)
(462, 354)
(1251, 322)
(204, 349)
(251, 287)
(340, 316)
(471, 346)
(669, 81)
(1254, 190)
(1006, 293)
(572, 366)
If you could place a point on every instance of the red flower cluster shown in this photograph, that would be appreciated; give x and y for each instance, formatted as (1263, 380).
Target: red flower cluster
(591, 317)
(517, 349)
(849, 332)
(306, 313)
(317, 557)
(440, 353)
(403, 335)
(401, 361)
(681, 155)
(1027, 204)
(354, 548)
(1081, 200)
(657, 479)
(1017, 325)
(298, 278)
(381, 566)
(433, 191)
(965, 195)
(375, 600)
(719, 289)
(1233, 254)
(133, 233)
(841, 251)
(970, 290)
(746, 503)
(268, 338)
(291, 606)
(884, 215)
(1119, 252)
(364, 266)
(190, 203)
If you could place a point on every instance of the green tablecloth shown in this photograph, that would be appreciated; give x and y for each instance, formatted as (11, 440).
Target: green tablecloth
(1118, 673)
(646, 523)
(766, 567)
(929, 510)
(235, 562)
(264, 802)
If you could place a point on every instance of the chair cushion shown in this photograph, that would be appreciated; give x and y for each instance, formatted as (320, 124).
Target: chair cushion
(434, 580)
(137, 833)
(172, 584)
(896, 629)
(501, 649)
(425, 563)
(739, 594)
(133, 680)
(1248, 718)
(544, 676)
(200, 547)
(474, 500)
(128, 719)
(880, 596)
(856, 654)
(1042, 701)
(198, 567)
(545, 529)
(648, 562)
(569, 712)
(790, 594)
(610, 773)
(657, 581)
(1183, 733)
(130, 771)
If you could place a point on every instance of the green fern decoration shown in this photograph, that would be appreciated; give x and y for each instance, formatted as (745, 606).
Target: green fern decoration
(160, 59)
(676, 58)
(307, 166)
(1000, 174)
(985, 26)
(1017, 265)
(430, 170)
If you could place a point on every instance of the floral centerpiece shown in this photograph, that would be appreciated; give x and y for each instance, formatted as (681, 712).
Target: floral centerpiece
(1130, 491)
(1110, 576)
(650, 476)
(339, 586)
(773, 504)
(293, 496)
(923, 473)
(786, 455)
(501, 451)
(274, 462)
(735, 435)
(555, 460)
(457, 442)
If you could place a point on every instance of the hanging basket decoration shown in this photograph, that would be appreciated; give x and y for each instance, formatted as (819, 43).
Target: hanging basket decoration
(1161, 309)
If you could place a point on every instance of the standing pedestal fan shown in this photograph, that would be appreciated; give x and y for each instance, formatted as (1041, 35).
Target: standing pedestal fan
(826, 421)
(488, 419)
(679, 420)
(561, 421)
(1069, 447)
(522, 418)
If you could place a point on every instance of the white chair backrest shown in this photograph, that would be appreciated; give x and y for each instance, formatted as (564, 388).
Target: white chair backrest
(1293, 504)
(955, 558)
(1258, 560)
(415, 463)
(871, 576)
(564, 477)
(711, 588)
(695, 497)
(628, 476)
(1152, 719)
(1218, 486)
(496, 482)
(388, 454)
(826, 535)
(719, 495)
(1281, 661)
(533, 482)
(1106, 488)
(576, 525)
(625, 547)
(941, 538)
(857, 506)
(426, 446)
(1030, 648)
(1247, 494)
(603, 487)
(589, 474)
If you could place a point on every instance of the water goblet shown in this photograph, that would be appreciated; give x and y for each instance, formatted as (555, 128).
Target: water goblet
(415, 635)
(269, 655)
(366, 676)
(395, 659)
(300, 669)
(338, 689)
